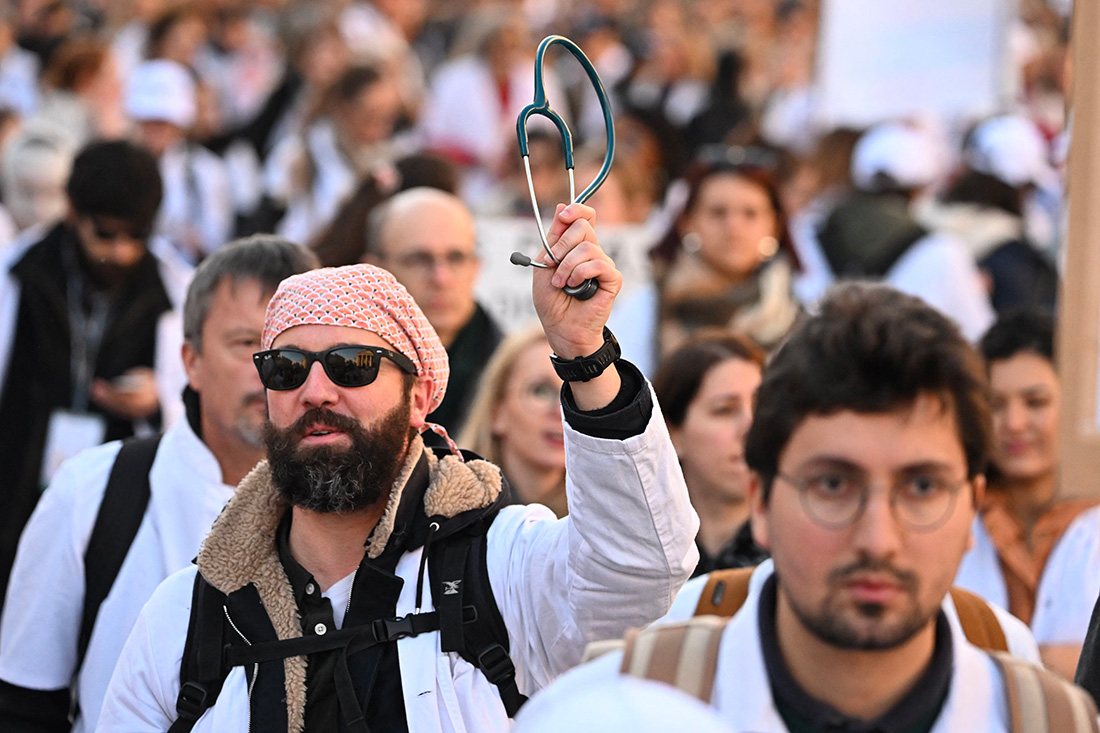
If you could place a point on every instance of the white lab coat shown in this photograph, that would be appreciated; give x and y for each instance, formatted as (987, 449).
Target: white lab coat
(1021, 643)
(742, 693)
(616, 561)
(1068, 587)
(197, 214)
(45, 601)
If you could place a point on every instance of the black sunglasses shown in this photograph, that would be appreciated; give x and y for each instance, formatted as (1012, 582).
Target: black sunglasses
(104, 232)
(346, 366)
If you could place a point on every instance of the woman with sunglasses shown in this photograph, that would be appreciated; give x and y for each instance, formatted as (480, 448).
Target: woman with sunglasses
(727, 260)
(515, 421)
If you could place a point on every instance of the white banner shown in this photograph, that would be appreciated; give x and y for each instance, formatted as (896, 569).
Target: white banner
(893, 59)
(504, 289)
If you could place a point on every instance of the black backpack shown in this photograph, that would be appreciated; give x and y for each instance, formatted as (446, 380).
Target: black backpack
(466, 616)
(116, 525)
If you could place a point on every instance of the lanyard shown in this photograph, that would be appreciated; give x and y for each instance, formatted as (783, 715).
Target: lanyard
(85, 332)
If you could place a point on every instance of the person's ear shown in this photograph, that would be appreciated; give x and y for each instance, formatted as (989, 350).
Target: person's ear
(419, 400)
(978, 483)
(191, 358)
(977, 486)
(758, 511)
(498, 426)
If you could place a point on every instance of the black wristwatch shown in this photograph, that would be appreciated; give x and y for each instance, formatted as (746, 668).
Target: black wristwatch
(584, 368)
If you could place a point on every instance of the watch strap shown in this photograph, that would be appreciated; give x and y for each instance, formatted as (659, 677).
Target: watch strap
(584, 368)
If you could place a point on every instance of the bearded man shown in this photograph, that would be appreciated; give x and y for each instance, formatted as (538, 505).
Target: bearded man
(332, 542)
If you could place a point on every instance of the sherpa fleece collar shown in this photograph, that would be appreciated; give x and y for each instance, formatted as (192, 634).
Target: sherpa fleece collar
(240, 548)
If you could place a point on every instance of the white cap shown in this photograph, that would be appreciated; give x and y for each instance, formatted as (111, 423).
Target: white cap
(616, 704)
(161, 91)
(1011, 148)
(906, 154)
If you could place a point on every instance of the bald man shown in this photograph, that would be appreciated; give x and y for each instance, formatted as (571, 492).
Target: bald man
(426, 238)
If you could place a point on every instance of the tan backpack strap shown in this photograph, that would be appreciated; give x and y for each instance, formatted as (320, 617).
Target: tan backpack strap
(724, 593)
(1040, 701)
(684, 655)
(979, 623)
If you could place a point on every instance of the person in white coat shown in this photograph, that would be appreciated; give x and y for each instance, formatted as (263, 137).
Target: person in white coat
(89, 329)
(197, 214)
(198, 462)
(872, 234)
(326, 543)
(869, 442)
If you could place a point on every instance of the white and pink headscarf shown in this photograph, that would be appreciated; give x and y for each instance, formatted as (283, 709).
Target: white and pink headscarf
(366, 297)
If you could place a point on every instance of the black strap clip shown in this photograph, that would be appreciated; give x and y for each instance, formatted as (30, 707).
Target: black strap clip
(496, 665)
(191, 703)
(392, 629)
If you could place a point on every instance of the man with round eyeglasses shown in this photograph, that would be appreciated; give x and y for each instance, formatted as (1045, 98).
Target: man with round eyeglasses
(868, 446)
(352, 580)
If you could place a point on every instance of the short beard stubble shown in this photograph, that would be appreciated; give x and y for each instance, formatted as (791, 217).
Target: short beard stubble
(836, 626)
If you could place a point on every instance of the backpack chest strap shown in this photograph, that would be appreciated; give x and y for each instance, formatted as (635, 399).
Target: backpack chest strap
(353, 639)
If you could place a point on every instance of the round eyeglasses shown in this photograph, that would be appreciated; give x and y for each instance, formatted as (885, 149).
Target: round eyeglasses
(835, 499)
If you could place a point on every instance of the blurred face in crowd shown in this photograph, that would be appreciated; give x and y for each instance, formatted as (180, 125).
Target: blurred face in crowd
(864, 575)
(220, 369)
(112, 246)
(370, 116)
(732, 216)
(324, 58)
(158, 136)
(710, 442)
(527, 422)
(184, 39)
(36, 195)
(1026, 404)
(427, 242)
(506, 47)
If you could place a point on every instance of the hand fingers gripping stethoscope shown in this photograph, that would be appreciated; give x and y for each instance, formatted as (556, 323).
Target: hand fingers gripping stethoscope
(541, 106)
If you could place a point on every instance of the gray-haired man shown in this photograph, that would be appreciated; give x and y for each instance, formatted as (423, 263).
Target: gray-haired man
(56, 649)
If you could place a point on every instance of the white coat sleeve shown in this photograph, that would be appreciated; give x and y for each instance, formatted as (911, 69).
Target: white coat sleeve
(142, 694)
(614, 563)
(45, 598)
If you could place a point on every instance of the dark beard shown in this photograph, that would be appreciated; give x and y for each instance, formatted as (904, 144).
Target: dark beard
(833, 626)
(336, 480)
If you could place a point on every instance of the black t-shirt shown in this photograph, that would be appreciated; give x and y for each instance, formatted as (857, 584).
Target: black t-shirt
(915, 712)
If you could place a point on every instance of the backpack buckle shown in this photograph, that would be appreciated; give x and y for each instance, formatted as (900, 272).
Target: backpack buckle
(496, 665)
(191, 703)
(392, 629)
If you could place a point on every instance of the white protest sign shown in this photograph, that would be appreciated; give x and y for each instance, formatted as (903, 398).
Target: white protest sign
(504, 289)
(894, 59)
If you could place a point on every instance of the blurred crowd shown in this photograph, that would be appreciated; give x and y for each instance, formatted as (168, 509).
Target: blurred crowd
(154, 132)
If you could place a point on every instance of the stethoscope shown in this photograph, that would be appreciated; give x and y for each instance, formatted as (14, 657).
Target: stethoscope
(541, 106)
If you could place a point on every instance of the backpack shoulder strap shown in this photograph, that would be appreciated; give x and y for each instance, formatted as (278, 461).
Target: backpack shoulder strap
(201, 669)
(978, 621)
(684, 655)
(725, 592)
(1040, 701)
(116, 524)
(459, 573)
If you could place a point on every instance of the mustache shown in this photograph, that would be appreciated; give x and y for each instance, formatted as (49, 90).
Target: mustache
(323, 416)
(904, 578)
